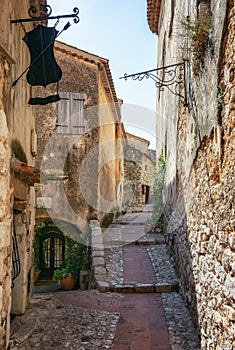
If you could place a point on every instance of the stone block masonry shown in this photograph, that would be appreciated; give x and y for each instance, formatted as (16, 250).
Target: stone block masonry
(6, 233)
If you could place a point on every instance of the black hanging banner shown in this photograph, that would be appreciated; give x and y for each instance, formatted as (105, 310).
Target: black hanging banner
(43, 69)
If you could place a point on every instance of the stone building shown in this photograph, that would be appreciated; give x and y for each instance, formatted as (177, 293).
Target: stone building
(17, 175)
(139, 166)
(80, 152)
(197, 138)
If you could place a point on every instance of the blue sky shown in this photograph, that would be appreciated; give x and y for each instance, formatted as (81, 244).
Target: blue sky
(117, 30)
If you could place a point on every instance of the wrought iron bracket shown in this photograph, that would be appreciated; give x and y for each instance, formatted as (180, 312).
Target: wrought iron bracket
(47, 10)
(172, 77)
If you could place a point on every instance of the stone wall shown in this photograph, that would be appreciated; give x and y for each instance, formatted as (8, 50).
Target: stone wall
(139, 170)
(198, 144)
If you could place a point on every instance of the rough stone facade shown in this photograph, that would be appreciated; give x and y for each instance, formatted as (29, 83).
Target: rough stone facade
(17, 175)
(198, 144)
(139, 166)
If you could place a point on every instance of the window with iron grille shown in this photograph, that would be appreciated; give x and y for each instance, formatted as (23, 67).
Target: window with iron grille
(70, 113)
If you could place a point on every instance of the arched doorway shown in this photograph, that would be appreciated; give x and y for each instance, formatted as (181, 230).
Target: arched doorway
(52, 248)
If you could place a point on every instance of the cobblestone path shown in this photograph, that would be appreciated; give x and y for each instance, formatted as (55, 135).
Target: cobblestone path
(135, 307)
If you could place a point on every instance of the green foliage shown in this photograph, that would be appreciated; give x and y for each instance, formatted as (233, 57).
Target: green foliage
(77, 255)
(59, 274)
(37, 241)
(198, 33)
(37, 266)
(158, 186)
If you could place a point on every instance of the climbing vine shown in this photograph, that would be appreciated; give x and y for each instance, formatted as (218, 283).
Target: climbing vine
(198, 33)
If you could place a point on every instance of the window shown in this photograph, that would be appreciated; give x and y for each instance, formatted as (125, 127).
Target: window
(71, 113)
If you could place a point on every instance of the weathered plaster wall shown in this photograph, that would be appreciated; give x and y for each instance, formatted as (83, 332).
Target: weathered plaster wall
(107, 148)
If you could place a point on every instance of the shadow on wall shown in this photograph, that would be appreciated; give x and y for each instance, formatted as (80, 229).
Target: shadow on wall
(175, 222)
(18, 151)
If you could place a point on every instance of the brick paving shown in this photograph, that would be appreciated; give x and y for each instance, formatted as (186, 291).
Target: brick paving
(142, 324)
(92, 299)
(137, 265)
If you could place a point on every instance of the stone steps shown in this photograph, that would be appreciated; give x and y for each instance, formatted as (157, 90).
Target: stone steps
(145, 240)
(106, 287)
(123, 222)
(106, 261)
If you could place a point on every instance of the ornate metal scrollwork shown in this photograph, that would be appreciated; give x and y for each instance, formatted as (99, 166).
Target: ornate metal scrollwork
(76, 12)
(43, 8)
(171, 77)
(47, 10)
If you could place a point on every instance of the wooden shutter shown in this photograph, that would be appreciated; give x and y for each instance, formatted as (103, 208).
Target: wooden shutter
(71, 113)
(77, 113)
(63, 120)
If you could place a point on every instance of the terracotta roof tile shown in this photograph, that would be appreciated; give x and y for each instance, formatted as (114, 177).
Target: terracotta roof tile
(153, 14)
(25, 172)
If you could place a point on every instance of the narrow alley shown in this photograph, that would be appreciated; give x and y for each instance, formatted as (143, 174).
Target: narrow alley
(137, 307)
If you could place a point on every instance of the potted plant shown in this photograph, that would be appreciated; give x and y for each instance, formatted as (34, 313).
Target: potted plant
(65, 278)
(68, 274)
(78, 258)
(37, 272)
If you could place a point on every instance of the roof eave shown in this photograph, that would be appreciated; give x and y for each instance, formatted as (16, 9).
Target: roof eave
(153, 14)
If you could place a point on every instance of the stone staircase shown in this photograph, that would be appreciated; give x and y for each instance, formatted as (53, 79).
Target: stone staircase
(108, 246)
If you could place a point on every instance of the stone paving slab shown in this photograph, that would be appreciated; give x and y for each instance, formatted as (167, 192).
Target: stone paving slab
(119, 235)
(148, 208)
(133, 218)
